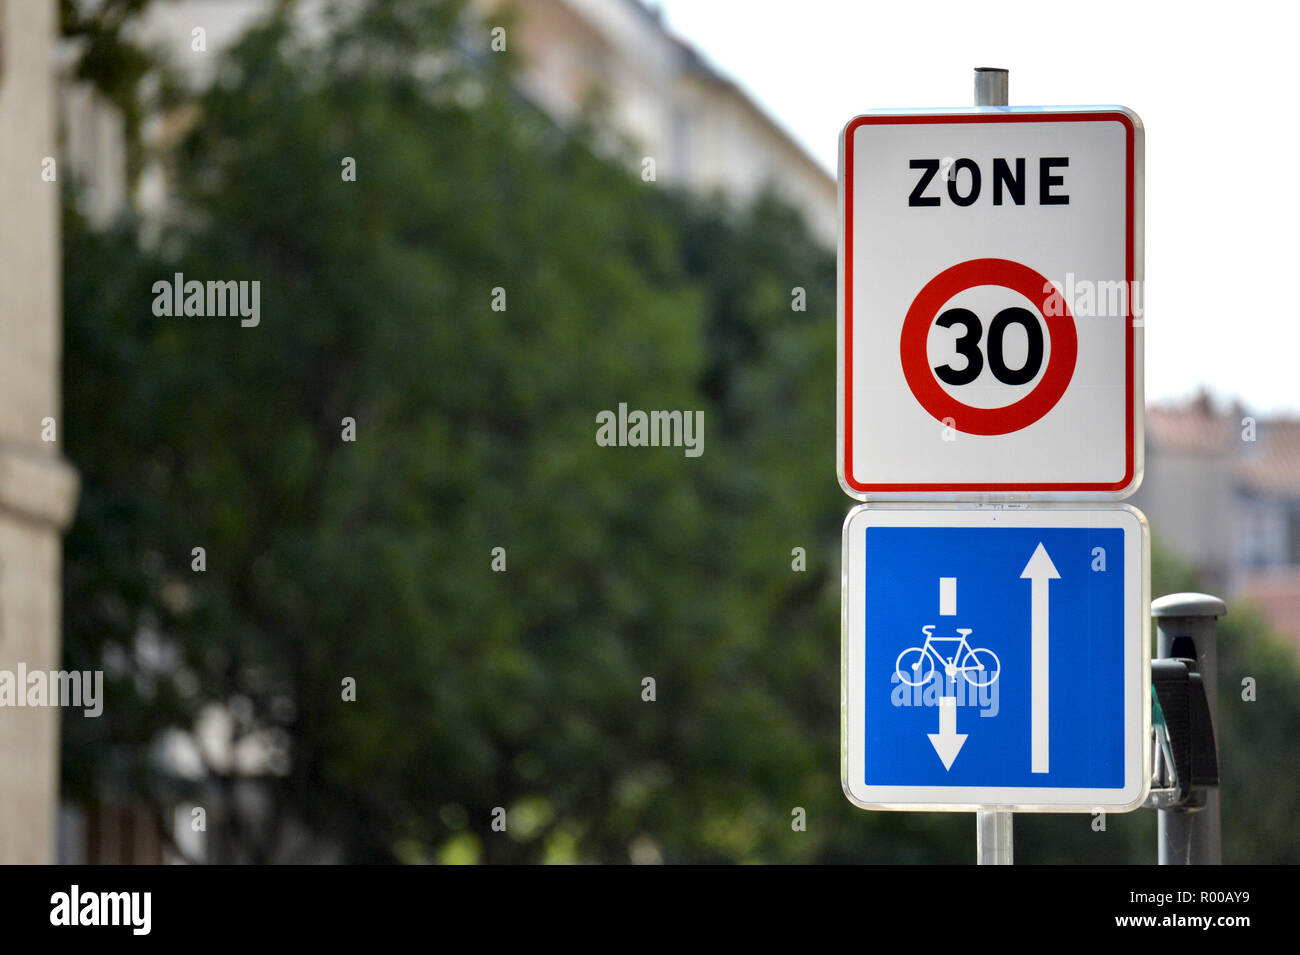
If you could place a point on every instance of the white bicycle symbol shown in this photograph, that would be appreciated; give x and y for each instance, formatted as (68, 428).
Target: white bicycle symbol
(979, 665)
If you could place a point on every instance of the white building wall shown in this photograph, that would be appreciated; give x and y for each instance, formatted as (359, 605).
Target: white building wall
(703, 132)
(36, 488)
(1189, 500)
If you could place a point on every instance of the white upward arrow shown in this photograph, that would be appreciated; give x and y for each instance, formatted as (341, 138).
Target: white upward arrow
(1039, 571)
(947, 742)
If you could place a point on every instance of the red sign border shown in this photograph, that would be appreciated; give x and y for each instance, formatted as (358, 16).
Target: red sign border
(1104, 116)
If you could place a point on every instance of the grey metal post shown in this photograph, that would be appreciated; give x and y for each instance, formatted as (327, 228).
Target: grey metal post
(991, 86)
(994, 843)
(1185, 627)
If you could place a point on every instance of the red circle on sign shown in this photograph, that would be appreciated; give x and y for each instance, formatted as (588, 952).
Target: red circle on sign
(1060, 329)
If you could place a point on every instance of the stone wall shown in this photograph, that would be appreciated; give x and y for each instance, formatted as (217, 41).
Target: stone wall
(37, 489)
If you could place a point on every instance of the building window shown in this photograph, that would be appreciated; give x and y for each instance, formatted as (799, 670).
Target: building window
(1252, 549)
(1293, 534)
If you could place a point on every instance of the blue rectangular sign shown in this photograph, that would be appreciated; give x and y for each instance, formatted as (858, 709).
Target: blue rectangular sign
(994, 657)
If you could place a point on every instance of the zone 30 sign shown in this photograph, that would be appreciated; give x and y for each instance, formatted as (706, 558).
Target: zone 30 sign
(990, 304)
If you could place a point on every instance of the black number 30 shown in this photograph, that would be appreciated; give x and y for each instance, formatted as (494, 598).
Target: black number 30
(968, 346)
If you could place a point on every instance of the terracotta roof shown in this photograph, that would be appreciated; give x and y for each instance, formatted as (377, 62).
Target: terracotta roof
(1270, 464)
(1188, 428)
(1277, 466)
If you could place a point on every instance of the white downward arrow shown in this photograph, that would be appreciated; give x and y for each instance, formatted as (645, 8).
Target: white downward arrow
(1039, 571)
(947, 742)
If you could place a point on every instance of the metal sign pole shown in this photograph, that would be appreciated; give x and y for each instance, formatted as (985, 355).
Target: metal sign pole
(1185, 628)
(991, 86)
(994, 838)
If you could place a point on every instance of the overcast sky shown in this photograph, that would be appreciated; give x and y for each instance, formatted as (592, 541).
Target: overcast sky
(1216, 87)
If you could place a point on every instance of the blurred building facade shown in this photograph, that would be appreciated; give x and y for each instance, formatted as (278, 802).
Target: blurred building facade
(656, 92)
(37, 488)
(1222, 492)
(701, 129)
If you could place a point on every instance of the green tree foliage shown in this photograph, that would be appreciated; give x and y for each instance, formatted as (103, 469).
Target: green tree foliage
(1257, 766)
(475, 429)
(110, 56)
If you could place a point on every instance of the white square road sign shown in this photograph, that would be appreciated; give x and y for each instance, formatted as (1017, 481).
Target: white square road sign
(990, 304)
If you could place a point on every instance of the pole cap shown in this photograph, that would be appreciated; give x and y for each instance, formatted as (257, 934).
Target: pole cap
(1188, 605)
(991, 86)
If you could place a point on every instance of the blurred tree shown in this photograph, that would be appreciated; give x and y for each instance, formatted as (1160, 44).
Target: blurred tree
(475, 429)
(107, 51)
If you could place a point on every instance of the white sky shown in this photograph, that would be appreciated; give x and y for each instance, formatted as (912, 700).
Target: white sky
(1215, 84)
